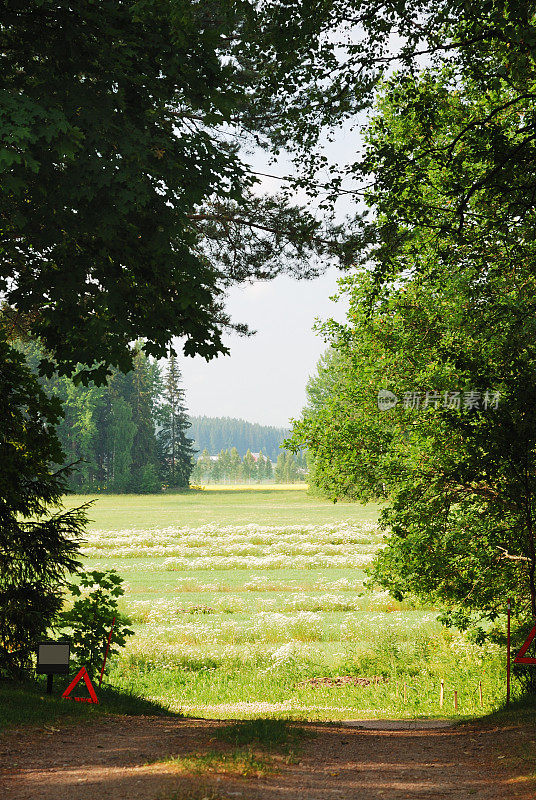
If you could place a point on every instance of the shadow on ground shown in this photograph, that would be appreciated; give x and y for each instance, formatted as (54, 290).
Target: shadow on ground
(143, 758)
(28, 704)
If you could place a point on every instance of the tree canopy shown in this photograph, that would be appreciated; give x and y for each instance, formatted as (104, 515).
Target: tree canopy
(442, 316)
(124, 189)
(127, 209)
(121, 125)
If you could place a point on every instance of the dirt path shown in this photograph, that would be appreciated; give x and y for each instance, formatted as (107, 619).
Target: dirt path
(119, 758)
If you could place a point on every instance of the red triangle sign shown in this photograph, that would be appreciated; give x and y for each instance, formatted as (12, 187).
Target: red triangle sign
(520, 658)
(81, 675)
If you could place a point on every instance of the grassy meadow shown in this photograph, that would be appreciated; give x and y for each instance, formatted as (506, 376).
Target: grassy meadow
(241, 596)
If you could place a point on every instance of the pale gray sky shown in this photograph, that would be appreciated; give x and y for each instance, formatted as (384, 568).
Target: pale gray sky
(263, 379)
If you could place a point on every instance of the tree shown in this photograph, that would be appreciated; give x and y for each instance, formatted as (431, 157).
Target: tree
(215, 470)
(443, 319)
(279, 471)
(120, 168)
(235, 465)
(290, 472)
(196, 476)
(490, 46)
(38, 544)
(249, 467)
(268, 470)
(224, 459)
(205, 465)
(137, 386)
(175, 445)
(488, 261)
(260, 467)
(121, 432)
(88, 622)
(85, 430)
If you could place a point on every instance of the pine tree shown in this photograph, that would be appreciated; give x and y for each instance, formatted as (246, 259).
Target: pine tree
(268, 470)
(175, 445)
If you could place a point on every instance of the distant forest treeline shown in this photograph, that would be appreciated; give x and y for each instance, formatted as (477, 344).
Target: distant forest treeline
(223, 433)
(228, 467)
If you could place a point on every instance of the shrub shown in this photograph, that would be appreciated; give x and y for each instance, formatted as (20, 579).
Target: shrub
(89, 620)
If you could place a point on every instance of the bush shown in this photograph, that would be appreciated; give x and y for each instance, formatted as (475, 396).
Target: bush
(89, 620)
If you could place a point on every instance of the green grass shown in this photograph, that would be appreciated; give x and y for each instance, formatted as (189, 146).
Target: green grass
(251, 741)
(521, 710)
(239, 597)
(240, 507)
(28, 704)
(242, 762)
(265, 732)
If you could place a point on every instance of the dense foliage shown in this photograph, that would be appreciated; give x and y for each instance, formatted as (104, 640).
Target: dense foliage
(126, 205)
(128, 435)
(222, 433)
(442, 317)
(38, 543)
(88, 622)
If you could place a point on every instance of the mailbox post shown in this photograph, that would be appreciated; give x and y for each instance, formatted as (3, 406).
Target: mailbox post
(52, 659)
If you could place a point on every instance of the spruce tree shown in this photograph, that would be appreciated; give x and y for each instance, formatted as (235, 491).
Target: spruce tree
(121, 431)
(175, 446)
(39, 542)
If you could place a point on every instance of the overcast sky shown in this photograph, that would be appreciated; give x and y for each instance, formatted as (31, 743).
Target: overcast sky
(264, 378)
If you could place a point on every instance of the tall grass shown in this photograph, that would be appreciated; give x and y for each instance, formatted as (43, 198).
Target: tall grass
(238, 599)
